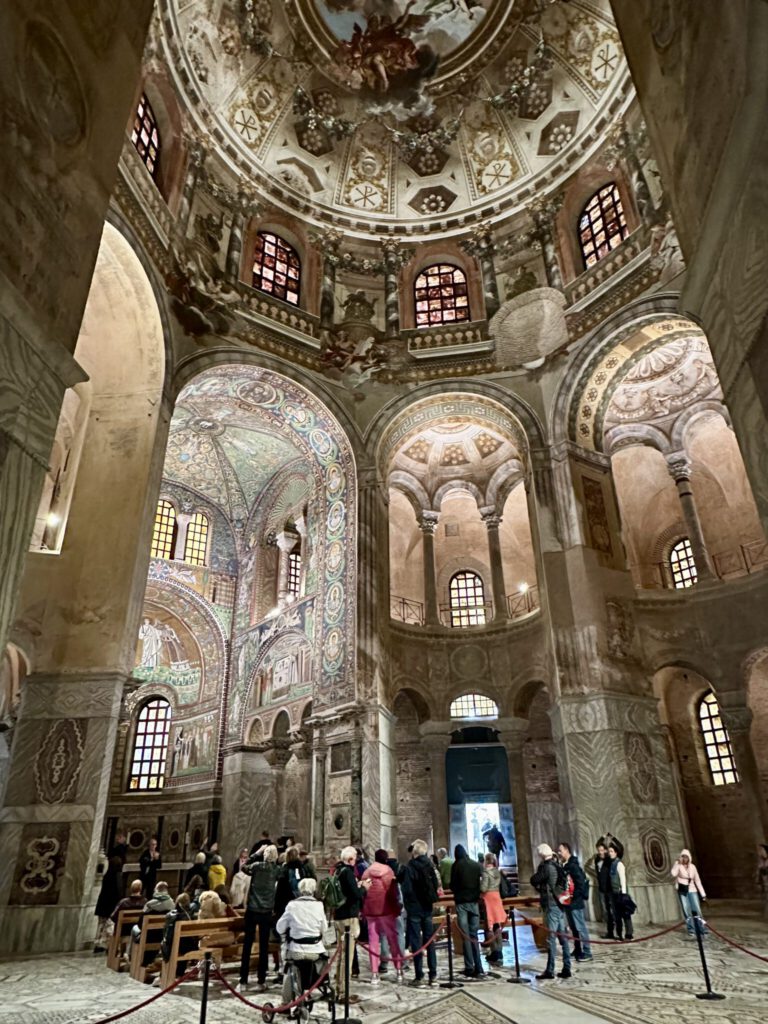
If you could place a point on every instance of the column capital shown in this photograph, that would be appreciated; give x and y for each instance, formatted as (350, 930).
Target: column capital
(427, 521)
(679, 466)
(736, 718)
(286, 541)
(490, 517)
(436, 736)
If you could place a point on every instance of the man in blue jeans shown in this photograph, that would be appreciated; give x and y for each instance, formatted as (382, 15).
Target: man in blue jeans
(418, 883)
(550, 883)
(465, 886)
(574, 911)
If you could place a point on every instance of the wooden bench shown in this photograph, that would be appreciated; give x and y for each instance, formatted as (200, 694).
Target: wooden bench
(152, 926)
(197, 930)
(121, 936)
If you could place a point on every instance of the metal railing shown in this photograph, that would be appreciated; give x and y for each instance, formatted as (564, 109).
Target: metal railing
(728, 565)
(403, 609)
(523, 602)
(470, 615)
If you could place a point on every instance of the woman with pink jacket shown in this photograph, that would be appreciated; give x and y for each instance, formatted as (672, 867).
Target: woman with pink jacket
(689, 889)
(381, 911)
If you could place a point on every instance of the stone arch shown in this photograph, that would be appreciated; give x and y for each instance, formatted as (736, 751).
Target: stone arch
(502, 483)
(458, 485)
(408, 485)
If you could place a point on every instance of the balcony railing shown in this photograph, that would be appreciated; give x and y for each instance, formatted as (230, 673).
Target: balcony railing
(404, 610)
(728, 565)
(523, 602)
(448, 339)
(470, 615)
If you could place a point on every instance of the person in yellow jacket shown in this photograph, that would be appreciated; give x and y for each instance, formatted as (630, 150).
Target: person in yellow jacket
(217, 873)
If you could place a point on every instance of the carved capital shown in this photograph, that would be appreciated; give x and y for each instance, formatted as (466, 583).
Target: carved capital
(428, 522)
(679, 466)
(491, 518)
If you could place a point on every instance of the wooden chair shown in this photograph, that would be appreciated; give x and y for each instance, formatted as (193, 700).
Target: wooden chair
(152, 926)
(121, 936)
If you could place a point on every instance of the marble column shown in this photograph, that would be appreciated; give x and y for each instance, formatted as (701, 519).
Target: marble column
(392, 262)
(195, 160)
(183, 519)
(319, 772)
(679, 467)
(428, 525)
(512, 736)
(242, 208)
(329, 243)
(356, 792)
(277, 758)
(737, 718)
(543, 217)
(492, 522)
(481, 245)
(436, 737)
(286, 542)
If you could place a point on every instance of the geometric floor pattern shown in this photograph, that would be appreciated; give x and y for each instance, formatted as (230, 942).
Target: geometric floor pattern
(648, 983)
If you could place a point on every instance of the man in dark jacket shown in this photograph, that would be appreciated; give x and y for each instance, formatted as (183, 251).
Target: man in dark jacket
(574, 911)
(603, 872)
(546, 882)
(418, 884)
(259, 913)
(150, 863)
(465, 885)
(348, 914)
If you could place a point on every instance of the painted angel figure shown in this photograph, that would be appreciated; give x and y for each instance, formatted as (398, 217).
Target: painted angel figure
(151, 644)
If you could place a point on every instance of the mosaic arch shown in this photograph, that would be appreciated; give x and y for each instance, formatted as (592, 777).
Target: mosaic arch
(287, 411)
(649, 370)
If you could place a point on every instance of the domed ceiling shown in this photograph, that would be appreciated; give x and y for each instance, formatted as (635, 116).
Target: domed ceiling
(402, 115)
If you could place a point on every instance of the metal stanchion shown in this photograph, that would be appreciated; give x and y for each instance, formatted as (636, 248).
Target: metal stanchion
(451, 983)
(518, 979)
(347, 979)
(709, 994)
(206, 980)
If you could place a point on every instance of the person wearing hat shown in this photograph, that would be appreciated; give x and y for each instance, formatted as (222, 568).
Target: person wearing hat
(548, 883)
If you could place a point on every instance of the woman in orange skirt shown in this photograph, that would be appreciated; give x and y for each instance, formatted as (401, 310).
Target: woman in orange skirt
(495, 914)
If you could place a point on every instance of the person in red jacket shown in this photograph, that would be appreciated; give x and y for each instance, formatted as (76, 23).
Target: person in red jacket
(381, 911)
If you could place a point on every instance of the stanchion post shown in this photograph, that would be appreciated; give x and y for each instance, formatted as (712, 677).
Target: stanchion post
(347, 978)
(518, 979)
(206, 980)
(709, 994)
(451, 983)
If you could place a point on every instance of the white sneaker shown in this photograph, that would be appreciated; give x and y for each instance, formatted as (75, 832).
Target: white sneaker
(400, 977)
(241, 987)
(374, 979)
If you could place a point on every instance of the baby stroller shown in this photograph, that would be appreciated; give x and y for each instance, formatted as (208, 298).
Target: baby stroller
(300, 973)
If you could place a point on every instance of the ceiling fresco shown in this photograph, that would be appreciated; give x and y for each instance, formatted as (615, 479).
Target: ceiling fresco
(369, 108)
(223, 453)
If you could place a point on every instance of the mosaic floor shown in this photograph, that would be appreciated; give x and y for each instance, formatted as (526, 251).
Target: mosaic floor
(648, 983)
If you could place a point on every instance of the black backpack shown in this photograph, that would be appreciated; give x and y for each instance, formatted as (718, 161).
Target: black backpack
(423, 883)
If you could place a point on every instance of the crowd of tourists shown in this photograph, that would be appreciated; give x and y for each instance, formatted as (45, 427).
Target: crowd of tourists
(386, 904)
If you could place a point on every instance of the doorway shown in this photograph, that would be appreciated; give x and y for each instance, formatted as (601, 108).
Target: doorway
(480, 818)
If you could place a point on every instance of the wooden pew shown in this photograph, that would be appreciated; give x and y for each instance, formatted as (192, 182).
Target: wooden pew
(121, 936)
(152, 926)
(196, 930)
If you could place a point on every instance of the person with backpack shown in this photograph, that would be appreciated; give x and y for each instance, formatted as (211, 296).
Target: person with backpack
(578, 884)
(381, 910)
(495, 914)
(551, 883)
(288, 878)
(259, 913)
(181, 912)
(419, 887)
(623, 907)
(347, 913)
(466, 876)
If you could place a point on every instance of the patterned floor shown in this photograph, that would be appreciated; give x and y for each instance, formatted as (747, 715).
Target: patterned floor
(649, 983)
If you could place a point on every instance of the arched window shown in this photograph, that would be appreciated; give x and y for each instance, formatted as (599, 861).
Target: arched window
(716, 742)
(441, 297)
(467, 599)
(682, 566)
(474, 705)
(602, 225)
(294, 574)
(164, 533)
(276, 268)
(196, 541)
(145, 135)
(150, 748)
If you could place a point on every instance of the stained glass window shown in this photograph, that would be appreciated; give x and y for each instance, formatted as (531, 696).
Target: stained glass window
(294, 574)
(164, 533)
(150, 748)
(276, 268)
(196, 542)
(474, 705)
(145, 136)
(441, 296)
(682, 565)
(602, 225)
(716, 742)
(467, 599)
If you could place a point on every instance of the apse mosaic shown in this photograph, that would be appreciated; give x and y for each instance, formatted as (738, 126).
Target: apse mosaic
(194, 746)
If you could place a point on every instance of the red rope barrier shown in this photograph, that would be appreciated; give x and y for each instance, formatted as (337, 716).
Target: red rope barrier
(288, 1006)
(124, 1013)
(737, 945)
(601, 942)
(416, 952)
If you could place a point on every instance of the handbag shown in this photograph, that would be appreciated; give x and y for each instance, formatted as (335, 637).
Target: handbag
(628, 905)
(505, 889)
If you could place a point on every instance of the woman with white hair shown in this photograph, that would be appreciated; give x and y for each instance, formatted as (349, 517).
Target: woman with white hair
(301, 928)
